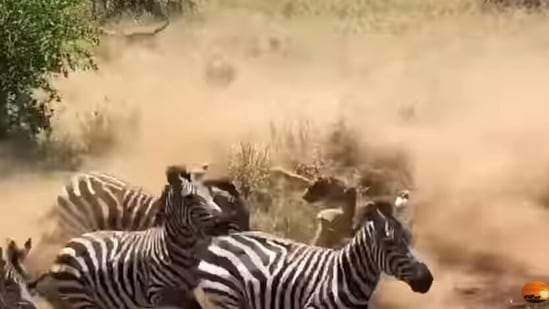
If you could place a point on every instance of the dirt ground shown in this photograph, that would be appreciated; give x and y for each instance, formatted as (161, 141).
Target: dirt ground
(478, 87)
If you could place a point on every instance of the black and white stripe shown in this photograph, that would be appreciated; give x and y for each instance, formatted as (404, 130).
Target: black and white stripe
(14, 292)
(94, 201)
(257, 271)
(140, 269)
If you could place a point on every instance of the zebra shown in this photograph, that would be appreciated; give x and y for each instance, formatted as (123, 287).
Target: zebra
(14, 277)
(256, 270)
(93, 201)
(140, 269)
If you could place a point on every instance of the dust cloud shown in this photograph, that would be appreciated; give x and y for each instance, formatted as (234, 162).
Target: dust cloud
(477, 86)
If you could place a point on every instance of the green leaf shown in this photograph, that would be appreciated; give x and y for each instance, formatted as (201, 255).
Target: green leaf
(37, 38)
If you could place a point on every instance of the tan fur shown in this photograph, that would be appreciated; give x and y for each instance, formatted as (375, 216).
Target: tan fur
(330, 228)
(296, 180)
(336, 224)
(202, 299)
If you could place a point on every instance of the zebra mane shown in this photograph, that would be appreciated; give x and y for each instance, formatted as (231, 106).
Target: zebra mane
(266, 236)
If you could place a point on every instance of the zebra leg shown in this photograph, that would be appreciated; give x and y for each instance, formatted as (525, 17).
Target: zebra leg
(71, 294)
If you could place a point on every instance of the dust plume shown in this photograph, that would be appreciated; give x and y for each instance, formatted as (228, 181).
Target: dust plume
(476, 85)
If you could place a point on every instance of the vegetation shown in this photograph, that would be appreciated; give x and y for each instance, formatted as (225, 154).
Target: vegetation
(38, 38)
(41, 40)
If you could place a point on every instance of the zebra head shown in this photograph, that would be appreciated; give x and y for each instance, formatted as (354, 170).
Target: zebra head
(390, 243)
(15, 278)
(16, 257)
(190, 183)
(190, 204)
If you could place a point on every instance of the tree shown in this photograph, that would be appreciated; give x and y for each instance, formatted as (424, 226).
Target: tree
(39, 39)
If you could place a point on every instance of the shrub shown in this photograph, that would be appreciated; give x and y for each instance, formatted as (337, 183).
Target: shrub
(38, 38)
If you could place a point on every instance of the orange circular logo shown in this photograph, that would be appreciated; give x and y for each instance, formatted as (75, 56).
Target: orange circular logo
(535, 292)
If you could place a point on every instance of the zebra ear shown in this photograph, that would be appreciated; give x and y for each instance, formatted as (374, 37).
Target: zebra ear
(11, 250)
(11, 244)
(28, 245)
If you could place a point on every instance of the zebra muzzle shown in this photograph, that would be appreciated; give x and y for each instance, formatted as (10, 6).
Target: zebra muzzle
(423, 279)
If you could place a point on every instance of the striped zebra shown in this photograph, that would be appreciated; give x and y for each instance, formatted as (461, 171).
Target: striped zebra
(14, 277)
(140, 269)
(94, 201)
(255, 270)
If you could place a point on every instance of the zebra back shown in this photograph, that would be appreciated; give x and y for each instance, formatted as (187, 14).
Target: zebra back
(156, 261)
(93, 201)
(258, 270)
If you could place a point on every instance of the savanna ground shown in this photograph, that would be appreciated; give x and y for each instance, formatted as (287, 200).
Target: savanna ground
(446, 99)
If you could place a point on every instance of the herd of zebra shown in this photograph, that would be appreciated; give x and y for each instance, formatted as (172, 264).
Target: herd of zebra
(192, 247)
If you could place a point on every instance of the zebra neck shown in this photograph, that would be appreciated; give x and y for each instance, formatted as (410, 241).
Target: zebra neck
(357, 268)
(25, 294)
(15, 287)
(180, 241)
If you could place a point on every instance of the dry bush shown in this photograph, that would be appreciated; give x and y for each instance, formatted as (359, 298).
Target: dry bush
(297, 145)
(273, 209)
